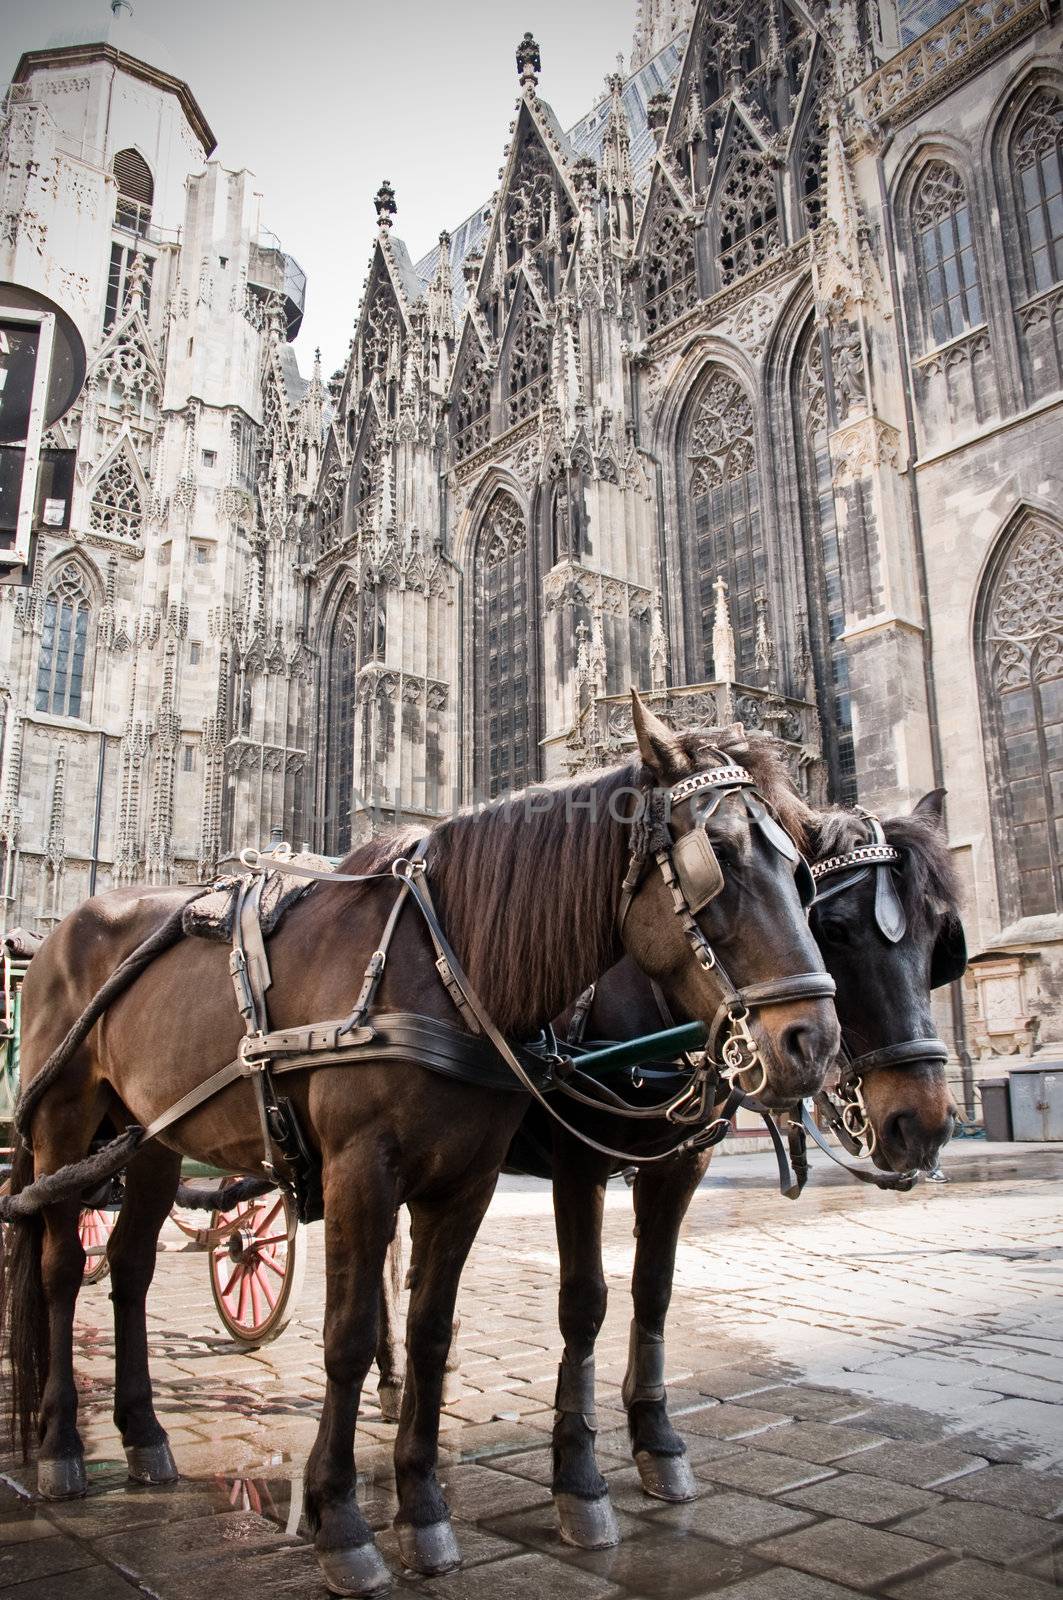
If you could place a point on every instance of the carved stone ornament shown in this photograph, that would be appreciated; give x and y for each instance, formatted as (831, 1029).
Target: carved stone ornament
(864, 445)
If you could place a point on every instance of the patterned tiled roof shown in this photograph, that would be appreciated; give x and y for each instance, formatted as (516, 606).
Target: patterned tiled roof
(916, 16)
(585, 138)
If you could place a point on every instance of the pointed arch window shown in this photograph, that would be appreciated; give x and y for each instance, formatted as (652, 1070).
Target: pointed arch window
(669, 271)
(1037, 173)
(504, 648)
(342, 688)
(823, 568)
(136, 192)
(947, 266)
(723, 488)
(1022, 663)
(62, 678)
(747, 209)
(116, 507)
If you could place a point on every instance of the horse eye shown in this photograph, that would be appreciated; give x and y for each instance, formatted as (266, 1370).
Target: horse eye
(832, 930)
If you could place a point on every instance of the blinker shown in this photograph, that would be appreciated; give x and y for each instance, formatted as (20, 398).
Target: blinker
(700, 874)
(777, 836)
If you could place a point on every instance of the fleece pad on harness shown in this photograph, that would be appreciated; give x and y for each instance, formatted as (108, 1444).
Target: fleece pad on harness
(211, 915)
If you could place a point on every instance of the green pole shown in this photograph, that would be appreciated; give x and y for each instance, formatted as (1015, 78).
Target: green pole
(651, 1047)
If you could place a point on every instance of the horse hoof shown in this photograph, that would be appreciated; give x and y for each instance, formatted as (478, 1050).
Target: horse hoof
(62, 1478)
(359, 1571)
(389, 1396)
(430, 1550)
(151, 1463)
(667, 1477)
(587, 1524)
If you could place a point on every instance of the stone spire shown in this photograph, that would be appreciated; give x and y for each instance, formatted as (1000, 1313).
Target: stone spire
(656, 24)
(723, 639)
(618, 180)
(440, 296)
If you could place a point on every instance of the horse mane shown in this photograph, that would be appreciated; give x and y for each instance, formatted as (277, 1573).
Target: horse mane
(928, 879)
(528, 891)
(519, 884)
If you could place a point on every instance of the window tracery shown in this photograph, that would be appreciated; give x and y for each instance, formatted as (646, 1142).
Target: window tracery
(116, 507)
(669, 272)
(504, 646)
(748, 228)
(342, 694)
(723, 487)
(62, 685)
(472, 415)
(1022, 651)
(947, 263)
(826, 601)
(529, 364)
(1037, 168)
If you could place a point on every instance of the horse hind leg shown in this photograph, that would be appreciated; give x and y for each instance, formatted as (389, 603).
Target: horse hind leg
(62, 1132)
(662, 1195)
(151, 1183)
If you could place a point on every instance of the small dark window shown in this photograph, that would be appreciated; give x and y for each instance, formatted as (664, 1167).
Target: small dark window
(202, 554)
(210, 458)
(188, 758)
(195, 653)
(136, 191)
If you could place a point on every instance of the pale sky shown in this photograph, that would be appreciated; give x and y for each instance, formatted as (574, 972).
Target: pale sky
(321, 99)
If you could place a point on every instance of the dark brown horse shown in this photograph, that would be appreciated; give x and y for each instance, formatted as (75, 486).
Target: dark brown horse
(531, 897)
(883, 1001)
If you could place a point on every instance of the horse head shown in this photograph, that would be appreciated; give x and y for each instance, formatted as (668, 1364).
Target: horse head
(718, 818)
(886, 919)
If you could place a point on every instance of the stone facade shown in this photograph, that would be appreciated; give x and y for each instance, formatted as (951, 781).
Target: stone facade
(747, 389)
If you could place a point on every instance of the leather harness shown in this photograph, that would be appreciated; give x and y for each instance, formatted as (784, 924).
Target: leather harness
(482, 1055)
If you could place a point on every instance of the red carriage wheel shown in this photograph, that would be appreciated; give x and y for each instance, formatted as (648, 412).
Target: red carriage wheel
(94, 1229)
(257, 1261)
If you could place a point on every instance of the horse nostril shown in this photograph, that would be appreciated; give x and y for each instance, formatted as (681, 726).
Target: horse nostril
(804, 1047)
(903, 1133)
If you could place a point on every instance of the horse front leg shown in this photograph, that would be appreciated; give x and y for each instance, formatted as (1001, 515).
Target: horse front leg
(581, 1495)
(151, 1183)
(662, 1195)
(360, 1207)
(443, 1232)
(390, 1350)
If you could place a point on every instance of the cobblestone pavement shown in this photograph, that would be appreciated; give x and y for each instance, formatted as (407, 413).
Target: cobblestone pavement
(871, 1387)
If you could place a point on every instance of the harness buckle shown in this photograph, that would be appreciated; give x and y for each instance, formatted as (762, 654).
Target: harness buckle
(403, 867)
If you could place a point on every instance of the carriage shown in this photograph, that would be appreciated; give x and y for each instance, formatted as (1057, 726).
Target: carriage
(256, 1254)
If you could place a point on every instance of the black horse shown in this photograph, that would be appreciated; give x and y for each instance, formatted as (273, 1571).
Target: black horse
(906, 1114)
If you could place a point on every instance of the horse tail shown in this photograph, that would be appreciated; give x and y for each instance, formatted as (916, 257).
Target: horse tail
(23, 1306)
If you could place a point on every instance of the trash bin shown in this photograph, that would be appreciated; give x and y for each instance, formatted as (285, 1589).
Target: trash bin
(1036, 1101)
(996, 1109)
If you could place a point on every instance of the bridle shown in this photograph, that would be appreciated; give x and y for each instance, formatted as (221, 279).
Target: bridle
(693, 877)
(845, 1110)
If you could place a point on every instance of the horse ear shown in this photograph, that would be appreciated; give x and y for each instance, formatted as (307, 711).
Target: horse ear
(659, 747)
(932, 807)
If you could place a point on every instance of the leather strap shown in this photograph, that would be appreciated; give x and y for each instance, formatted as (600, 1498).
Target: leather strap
(902, 1181)
(908, 1053)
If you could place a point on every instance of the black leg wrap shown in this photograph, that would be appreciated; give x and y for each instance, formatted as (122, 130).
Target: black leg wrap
(644, 1378)
(575, 1390)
